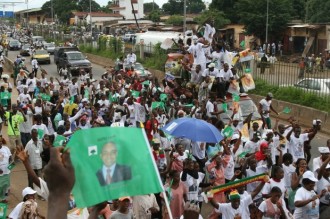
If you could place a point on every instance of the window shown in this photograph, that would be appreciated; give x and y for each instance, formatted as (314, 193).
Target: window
(303, 84)
(315, 85)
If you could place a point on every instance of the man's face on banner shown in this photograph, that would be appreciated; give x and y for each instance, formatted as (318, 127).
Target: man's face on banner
(109, 154)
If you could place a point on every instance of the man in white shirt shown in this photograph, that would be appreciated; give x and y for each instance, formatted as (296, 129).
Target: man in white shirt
(225, 77)
(35, 66)
(265, 107)
(209, 32)
(196, 49)
(318, 161)
(131, 58)
(34, 149)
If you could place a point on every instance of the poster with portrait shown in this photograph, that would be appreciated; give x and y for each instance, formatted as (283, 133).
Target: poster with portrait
(111, 162)
(248, 82)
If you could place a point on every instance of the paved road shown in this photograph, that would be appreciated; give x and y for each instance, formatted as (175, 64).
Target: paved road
(51, 68)
(19, 176)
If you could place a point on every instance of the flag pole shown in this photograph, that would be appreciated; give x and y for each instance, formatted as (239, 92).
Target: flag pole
(158, 176)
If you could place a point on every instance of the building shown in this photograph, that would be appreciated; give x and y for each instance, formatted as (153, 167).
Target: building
(124, 7)
(31, 16)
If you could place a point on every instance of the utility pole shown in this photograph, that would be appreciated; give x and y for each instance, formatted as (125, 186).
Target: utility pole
(267, 21)
(90, 17)
(184, 17)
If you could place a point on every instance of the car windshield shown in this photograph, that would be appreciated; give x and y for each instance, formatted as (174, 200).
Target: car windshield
(138, 66)
(75, 56)
(26, 46)
(14, 42)
(41, 52)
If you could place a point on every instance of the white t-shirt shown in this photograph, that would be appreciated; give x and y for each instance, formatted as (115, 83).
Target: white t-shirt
(31, 83)
(265, 106)
(198, 52)
(73, 89)
(207, 72)
(24, 98)
(263, 209)
(251, 146)
(317, 163)
(42, 130)
(296, 145)
(218, 59)
(288, 171)
(308, 211)
(225, 76)
(252, 186)
(4, 159)
(209, 109)
(268, 187)
(228, 212)
(323, 183)
(209, 31)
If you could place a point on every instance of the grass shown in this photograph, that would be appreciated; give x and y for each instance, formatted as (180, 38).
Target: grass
(293, 95)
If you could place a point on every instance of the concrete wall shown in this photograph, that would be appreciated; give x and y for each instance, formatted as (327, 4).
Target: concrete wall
(305, 115)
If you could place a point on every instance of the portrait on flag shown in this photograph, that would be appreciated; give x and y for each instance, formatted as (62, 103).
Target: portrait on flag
(110, 162)
(112, 172)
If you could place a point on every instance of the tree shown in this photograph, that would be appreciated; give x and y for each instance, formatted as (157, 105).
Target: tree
(195, 6)
(154, 16)
(173, 7)
(149, 7)
(213, 14)
(299, 9)
(228, 7)
(252, 13)
(318, 11)
(83, 5)
(62, 9)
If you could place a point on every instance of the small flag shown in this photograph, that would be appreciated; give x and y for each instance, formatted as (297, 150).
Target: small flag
(286, 110)
(135, 93)
(10, 167)
(59, 141)
(3, 210)
(228, 132)
(114, 146)
(243, 154)
(188, 105)
(72, 100)
(86, 93)
(247, 70)
(236, 98)
(163, 97)
(45, 97)
(147, 82)
(225, 107)
(155, 105)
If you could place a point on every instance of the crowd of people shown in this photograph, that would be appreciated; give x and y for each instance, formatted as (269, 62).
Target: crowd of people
(46, 109)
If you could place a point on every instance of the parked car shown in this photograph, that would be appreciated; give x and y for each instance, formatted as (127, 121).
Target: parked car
(313, 85)
(42, 56)
(75, 61)
(50, 47)
(25, 50)
(14, 45)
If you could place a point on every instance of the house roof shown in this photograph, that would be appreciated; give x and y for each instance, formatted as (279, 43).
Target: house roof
(96, 14)
(29, 10)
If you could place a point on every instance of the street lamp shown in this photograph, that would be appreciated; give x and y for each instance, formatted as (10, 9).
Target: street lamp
(90, 17)
(267, 21)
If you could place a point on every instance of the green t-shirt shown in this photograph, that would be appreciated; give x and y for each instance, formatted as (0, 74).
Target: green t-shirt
(14, 123)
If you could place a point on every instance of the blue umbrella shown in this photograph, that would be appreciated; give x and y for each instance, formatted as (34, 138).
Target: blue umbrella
(193, 129)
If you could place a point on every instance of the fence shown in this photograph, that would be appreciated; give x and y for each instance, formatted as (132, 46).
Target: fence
(314, 80)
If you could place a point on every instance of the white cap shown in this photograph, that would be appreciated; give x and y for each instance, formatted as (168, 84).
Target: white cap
(211, 65)
(84, 100)
(235, 136)
(28, 191)
(309, 175)
(194, 37)
(324, 150)
(315, 121)
(5, 76)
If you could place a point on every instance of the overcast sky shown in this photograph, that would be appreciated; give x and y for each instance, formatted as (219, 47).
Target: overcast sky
(39, 3)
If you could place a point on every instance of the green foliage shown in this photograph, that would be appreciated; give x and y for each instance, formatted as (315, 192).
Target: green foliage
(227, 7)
(154, 16)
(149, 7)
(83, 5)
(213, 14)
(176, 6)
(175, 20)
(318, 11)
(253, 15)
(292, 95)
(157, 59)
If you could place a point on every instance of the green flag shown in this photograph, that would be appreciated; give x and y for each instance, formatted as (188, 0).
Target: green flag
(242, 44)
(5, 95)
(95, 151)
(147, 82)
(228, 132)
(40, 134)
(247, 70)
(72, 100)
(59, 140)
(155, 105)
(188, 105)
(225, 107)
(3, 210)
(163, 97)
(286, 110)
(135, 93)
(45, 97)
(236, 98)
(11, 166)
(86, 93)
(244, 153)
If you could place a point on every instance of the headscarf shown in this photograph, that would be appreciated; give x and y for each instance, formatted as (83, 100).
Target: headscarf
(259, 154)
